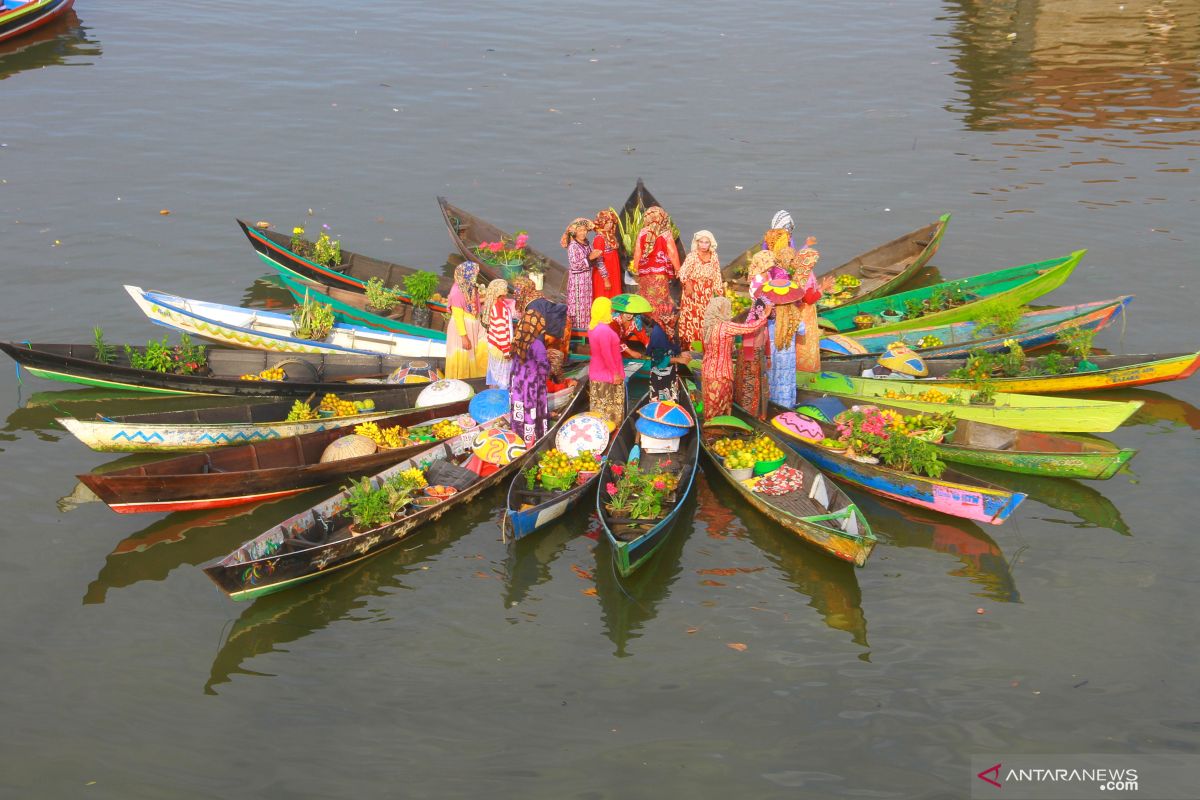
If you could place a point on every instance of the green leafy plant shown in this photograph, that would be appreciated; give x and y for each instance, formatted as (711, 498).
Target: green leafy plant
(420, 286)
(380, 297)
(189, 358)
(312, 319)
(914, 308)
(999, 315)
(506, 251)
(1052, 364)
(910, 454)
(1078, 342)
(105, 353)
(399, 492)
(637, 494)
(157, 356)
(984, 392)
(368, 505)
(298, 244)
(327, 251)
(939, 300)
(531, 478)
(1012, 363)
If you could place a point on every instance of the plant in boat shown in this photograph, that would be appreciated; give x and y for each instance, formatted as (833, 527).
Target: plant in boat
(367, 505)
(381, 297)
(637, 494)
(883, 434)
(914, 307)
(327, 251)
(420, 286)
(298, 244)
(1001, 316)
(312, 319)
(105, 353)
(189, 358)
(399, 493)
(506, 252)
(1052, 364)
(157, 356)
(1078, 342)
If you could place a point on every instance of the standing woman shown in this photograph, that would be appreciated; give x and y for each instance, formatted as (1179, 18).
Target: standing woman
(499, 334)
(718, 333)
(764, 266)
(606, 256)
(466, 356)
(754, 361)
(700, 274)
(808, 344)
(606, 371)
(657, 260)
(786, 323)
(527, 390)
(557, 336)
(579, 271)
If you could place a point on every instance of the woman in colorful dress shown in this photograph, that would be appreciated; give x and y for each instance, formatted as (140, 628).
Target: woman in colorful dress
(466, 355)
(782, 331)
(498, 314)
(780, 234)
(665, 356)
(634, 337)
(579, 272)
(557, 334)
(719, 331)
(808, 342)
(524, 293)
(657, 260)
(700, 274)
(606, 370)
(606, 256)
(764, 266)
(528, 409)
(754, 361)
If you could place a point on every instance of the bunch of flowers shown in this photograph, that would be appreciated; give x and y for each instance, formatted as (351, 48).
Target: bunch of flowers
(637, 494)
(504, 252)
(883, 434)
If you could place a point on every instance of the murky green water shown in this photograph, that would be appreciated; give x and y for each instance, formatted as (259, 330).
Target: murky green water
(458, 666)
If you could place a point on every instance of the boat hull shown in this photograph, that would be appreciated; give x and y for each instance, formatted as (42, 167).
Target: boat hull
(30, 17)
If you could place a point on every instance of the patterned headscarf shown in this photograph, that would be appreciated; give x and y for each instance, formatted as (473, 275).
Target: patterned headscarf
(601, 311)
(464, 278)
(787, 321)
(531, 328)
(705, 235)
(524, 292)
(606, 225)
(761, 262)
(494, 291)
(785, 256)
(782, 219)
(577, 223)
(719, 309)
(656, 220)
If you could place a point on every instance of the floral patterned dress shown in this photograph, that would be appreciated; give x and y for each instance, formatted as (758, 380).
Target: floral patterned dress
(579, 285)
(701, 283)
(717, 368)
(527, 394)
(655, 271)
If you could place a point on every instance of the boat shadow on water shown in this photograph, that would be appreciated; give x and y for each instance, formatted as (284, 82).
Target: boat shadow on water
(280, 618)
(1090, 507)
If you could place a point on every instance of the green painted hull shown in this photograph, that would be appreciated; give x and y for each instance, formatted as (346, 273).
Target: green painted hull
(344, 312)
(1017, 285)
(1022, 411)
(1093, 466)
(51, 375)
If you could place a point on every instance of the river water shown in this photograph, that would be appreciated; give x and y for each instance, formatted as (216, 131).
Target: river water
(458, 666)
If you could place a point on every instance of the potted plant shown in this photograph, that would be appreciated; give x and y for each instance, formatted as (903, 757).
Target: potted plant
(368, 506)
(914, 308)
(399, 493)
(312, 319)
(420, 286)
(380, 297)
(1078, 342)
(999, 316)
(890, 314)
(505, 252)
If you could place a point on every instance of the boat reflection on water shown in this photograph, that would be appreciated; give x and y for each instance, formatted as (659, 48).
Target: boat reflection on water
(1087, 504)
(830, 585)
(188, 537)
(268, 291)
(291, 615)
(627, 604)
(1158, 407)
(982, 561)
(529, 559)
(63, 41)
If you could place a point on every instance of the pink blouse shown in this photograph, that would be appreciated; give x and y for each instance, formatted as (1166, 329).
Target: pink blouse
(605, 365)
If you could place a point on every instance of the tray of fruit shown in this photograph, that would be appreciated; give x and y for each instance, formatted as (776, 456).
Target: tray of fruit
(440, 492)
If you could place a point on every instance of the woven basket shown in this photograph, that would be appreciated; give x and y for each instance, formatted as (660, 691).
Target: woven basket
(352, 446)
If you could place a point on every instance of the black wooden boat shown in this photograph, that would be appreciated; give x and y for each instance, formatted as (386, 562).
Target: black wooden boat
(251, 473)
(305, 372)
(318, 541)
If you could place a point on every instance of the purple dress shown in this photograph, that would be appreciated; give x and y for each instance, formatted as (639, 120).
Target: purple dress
(527, 394)
(579, 285)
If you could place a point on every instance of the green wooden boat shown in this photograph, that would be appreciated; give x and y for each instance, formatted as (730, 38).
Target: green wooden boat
(1017, 285)
(351, 307)
(1062, 455)
(1028, 412)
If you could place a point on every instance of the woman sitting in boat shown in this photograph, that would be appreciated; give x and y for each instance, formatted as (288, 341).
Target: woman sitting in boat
(719, 331)
(606, 370)
(657, 260)
(606, 256)
(498, 313)
(528, 409)
(466, 355)
(700, 274)
(664, 357)
(579, 271)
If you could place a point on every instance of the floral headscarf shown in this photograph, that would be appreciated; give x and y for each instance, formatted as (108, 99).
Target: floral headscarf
(606, 225)
(524, 292)
(656, 220)
(464, 278)
(719, 309)
(494, 291)
(577, 223)
(531, 328)
(761, 263)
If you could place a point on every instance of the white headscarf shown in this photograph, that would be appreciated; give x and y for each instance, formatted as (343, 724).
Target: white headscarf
(705, 235)
(782, 219)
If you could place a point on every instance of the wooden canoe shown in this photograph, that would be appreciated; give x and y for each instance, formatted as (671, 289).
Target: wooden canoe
(467, 230)
(352, 308)
(352, 274)
(1113, 372)
(17, 18)
(1035, 329)
(1029, 412)
(1016, 285)
(251, 473)
(225, 426)
(882, 270)
(633, 542)
(954, 493)
(305, 373)
(318, 541)
(258, 329)
(980, 444)
(819, 513)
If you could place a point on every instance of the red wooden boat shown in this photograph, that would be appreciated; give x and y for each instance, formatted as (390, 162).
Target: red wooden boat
(18, 16)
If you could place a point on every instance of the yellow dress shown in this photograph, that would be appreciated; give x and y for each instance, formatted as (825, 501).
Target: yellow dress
(460, 362)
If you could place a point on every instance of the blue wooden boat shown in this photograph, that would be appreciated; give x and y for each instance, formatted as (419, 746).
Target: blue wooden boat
(634, 541)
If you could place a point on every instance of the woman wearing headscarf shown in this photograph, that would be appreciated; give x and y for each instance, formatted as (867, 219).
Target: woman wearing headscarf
(496, 311)
(764, 266)
(557, 334)
(718, 332)
(466, 355)
(808, 341)
(606, 371)
(780, 234)
(524, 293)
(606, 256)
(527, 389)
(700, 274)
(664, 356)
(579, 271)
(657, 260)
(782, 331)
(753, 360)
